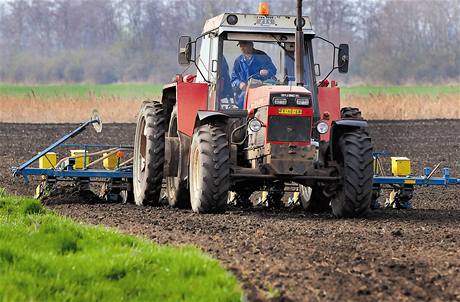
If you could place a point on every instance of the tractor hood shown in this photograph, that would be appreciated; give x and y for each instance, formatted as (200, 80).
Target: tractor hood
(260, 96)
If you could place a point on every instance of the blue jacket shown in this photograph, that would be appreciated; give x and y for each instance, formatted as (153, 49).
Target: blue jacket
(243, 69)
(226, 86)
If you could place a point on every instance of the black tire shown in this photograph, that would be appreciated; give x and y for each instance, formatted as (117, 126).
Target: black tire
(353, 196)
(350, 113)
(176, 188)
(149, 148)
(209, 176)
(313, 199)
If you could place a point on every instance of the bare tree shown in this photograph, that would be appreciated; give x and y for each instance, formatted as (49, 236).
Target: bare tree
(135, 40)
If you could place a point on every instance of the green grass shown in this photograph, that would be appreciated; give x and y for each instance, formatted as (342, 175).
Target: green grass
(45, 257)
(142, 90)
(82, 90)
(402, 90)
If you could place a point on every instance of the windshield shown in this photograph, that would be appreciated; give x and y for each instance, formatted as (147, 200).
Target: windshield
(266, 58)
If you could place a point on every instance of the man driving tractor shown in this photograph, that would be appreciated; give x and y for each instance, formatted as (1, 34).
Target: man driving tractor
(252, 63)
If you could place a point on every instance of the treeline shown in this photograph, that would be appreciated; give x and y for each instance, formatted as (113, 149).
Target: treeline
(107, 41)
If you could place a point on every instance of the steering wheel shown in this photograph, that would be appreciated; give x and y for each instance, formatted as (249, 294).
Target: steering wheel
(254, 76)
(257, 76)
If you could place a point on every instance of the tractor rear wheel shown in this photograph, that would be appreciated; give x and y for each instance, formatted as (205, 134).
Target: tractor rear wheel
(353, 196)
(149, 148)
(176, 188)
(209, 175)
(350, 113)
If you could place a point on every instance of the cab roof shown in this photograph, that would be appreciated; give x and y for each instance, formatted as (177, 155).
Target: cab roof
(256, 23)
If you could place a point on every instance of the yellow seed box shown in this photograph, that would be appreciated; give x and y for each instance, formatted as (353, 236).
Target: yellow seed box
(111, 162)
(79, 158)
(48, 161)
(400, 166)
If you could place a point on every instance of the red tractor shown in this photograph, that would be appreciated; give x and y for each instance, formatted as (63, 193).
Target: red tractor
(218, 132)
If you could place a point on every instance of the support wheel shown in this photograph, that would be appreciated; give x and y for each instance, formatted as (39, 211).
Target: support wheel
(243, 199)
(149, 147)
(127, 196)
(176, 187)
(209, 169)
(353, 196)
(313, 199)
(275, 195)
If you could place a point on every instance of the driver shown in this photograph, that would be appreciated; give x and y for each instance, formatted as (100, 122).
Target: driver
(252, 63)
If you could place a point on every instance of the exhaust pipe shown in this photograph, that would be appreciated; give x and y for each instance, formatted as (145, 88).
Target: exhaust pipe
(299, 47)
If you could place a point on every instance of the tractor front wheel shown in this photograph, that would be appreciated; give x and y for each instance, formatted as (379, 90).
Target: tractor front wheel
(353, 196)
(209, 175)
(149, 154)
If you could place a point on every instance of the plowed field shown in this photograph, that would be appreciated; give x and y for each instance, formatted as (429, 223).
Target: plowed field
(289, 255)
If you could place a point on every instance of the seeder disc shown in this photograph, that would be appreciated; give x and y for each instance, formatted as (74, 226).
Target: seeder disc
(98, 122)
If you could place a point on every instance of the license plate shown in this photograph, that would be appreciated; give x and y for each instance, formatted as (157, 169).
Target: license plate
(290, 111)
(265, 21)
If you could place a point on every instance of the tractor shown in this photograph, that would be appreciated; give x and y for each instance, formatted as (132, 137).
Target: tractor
(200, 143)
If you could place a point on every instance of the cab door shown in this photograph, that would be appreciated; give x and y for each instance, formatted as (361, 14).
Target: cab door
(207, 65)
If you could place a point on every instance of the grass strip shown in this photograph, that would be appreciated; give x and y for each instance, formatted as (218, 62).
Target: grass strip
(125, 90)
(400, 90)
(46, 257)
(146, 90)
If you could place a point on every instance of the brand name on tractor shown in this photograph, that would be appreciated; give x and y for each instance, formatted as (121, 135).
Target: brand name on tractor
(290, 95)
(265, 21)
(290, 111)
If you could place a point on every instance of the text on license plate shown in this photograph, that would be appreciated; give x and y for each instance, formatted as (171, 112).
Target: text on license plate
(292, 111)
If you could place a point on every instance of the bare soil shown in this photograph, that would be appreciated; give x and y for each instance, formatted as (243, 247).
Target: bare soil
(289, 255)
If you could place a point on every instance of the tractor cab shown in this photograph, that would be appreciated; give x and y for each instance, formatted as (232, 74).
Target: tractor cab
(270, 38)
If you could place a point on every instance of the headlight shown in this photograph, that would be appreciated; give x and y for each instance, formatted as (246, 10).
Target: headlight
(232, 19)
(302, 101)
(255, 125)
(322, 127)
(279, 101)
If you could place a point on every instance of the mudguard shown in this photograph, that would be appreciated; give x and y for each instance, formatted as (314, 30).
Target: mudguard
(341, 126)
(350, 123)
(190, 98)
(204, 117)
(329, 101)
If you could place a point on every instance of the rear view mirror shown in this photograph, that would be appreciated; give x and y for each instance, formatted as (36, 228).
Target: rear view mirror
(185, 51)
(343, 58)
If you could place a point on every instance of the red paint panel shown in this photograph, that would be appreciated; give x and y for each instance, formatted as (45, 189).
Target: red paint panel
(275, 110)
(329, 100)
(191, 97)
